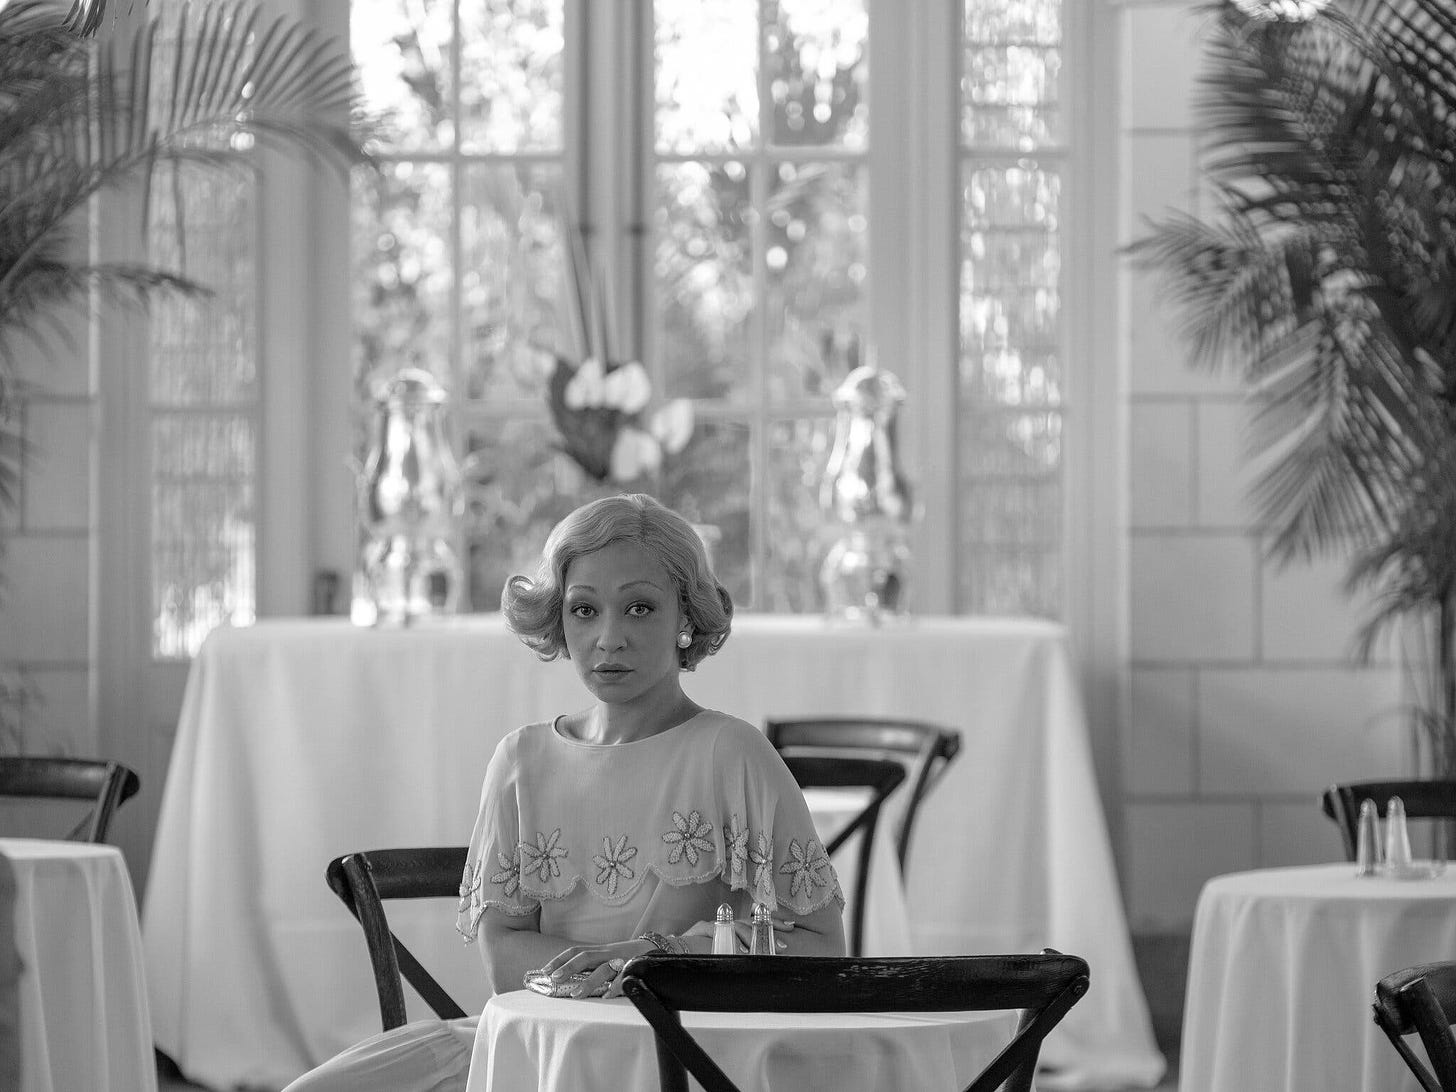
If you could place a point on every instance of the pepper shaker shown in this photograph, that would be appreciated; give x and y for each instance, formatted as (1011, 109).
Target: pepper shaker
(1397, 837)
(763, 931)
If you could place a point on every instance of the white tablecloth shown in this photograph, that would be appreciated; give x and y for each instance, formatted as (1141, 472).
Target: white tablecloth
(564, 1045)
(83, 1000)
(1283, 968)
(303, 739)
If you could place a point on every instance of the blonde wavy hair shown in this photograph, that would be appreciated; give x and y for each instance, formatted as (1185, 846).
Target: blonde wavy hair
(532, 605)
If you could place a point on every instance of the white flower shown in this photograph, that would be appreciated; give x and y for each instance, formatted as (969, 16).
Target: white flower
(634, 453)
(672, 425)
(627, 388)
(588, 385)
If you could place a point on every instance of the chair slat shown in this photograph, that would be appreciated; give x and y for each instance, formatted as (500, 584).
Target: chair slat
(105, 783)
(1044, 986)
(362, 881)
(924, 749)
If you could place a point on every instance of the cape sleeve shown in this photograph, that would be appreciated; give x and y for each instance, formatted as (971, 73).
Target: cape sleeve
(492, 875)
(770, 846)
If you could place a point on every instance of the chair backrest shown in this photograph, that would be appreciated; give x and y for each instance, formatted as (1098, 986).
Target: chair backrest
(1042, 986)
(106, 784)
(924, 749)
(362, 881)
(1421, 999)
(880, 777)
(1423, 799)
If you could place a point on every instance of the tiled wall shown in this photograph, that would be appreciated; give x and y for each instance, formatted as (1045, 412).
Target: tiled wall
(1244, 702)
(45, 600)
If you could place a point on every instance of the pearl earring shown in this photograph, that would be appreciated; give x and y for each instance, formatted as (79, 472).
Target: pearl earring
(684, 639)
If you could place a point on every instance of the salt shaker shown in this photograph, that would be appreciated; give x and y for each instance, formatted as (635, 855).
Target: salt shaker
(1367, 845)
(1397, 837)
(762, 942)
(723, 939)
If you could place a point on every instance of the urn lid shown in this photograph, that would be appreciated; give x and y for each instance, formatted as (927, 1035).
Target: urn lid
(410, 387)
(869, 391)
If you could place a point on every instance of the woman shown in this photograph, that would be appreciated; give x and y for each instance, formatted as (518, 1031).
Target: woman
(617, 830)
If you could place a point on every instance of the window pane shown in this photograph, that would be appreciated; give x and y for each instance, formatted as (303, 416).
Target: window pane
(402, 51)
(511, 280)
(704, 277)
(510, 75)
(402, 269)
(532, 486)
(202, 551)
(1012, 66)
(708, 483)
(799, 536)
(815, 57)
(1010, 387)
(706, 72)
(816, 261)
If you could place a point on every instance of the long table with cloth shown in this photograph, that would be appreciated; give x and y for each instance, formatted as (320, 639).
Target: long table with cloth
(303, 739)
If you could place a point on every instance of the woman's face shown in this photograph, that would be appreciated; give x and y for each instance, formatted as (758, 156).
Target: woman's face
(621, 617)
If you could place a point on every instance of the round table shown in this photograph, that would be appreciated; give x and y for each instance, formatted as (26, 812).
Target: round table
(1282, 970)
(526, 1040)
(83, 994)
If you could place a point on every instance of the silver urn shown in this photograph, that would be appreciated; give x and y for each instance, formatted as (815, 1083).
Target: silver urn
(868, 501)
(411, 497)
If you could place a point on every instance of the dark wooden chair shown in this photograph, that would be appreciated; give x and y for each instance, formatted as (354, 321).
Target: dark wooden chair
(106, 784)
(880, 777)
(925, 750)
(362, 881)
(1421, 1000)
(1423, 799)
(1044, 987)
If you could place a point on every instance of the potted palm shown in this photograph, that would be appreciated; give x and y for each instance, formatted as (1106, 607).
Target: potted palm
(1327, 277)
(89, 104)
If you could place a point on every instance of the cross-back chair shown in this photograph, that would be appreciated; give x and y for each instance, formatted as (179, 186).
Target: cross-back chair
(1044, 987)
(105, 783)
(1423, 799)
(880, 777)
(362, 881)
(922, 748)
(1421, 1000)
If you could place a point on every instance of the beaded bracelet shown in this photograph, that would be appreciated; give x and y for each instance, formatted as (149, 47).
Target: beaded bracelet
(670, 945)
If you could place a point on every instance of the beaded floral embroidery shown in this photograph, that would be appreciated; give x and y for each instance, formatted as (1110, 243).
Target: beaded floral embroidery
(612, 863)
(509, 874)
(761, 856)
(806, 865)
(735, 840)
(690, 838)
(543, 858)
(470, 901)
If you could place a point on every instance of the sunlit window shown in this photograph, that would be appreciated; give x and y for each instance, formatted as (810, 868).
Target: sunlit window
(736, 158)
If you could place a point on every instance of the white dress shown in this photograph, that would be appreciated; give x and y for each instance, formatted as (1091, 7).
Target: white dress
(607, 842)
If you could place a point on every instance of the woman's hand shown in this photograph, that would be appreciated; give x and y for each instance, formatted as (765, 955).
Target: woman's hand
(602, 962)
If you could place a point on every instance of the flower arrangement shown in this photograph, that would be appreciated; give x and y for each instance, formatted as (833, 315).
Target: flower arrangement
(600, 402)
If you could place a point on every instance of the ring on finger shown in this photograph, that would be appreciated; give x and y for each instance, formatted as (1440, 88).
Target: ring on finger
(616, 964)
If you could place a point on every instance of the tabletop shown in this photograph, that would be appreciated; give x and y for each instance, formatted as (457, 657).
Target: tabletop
(526, 1040)
(84, 1021)
(1282, 969)
(304, 739)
